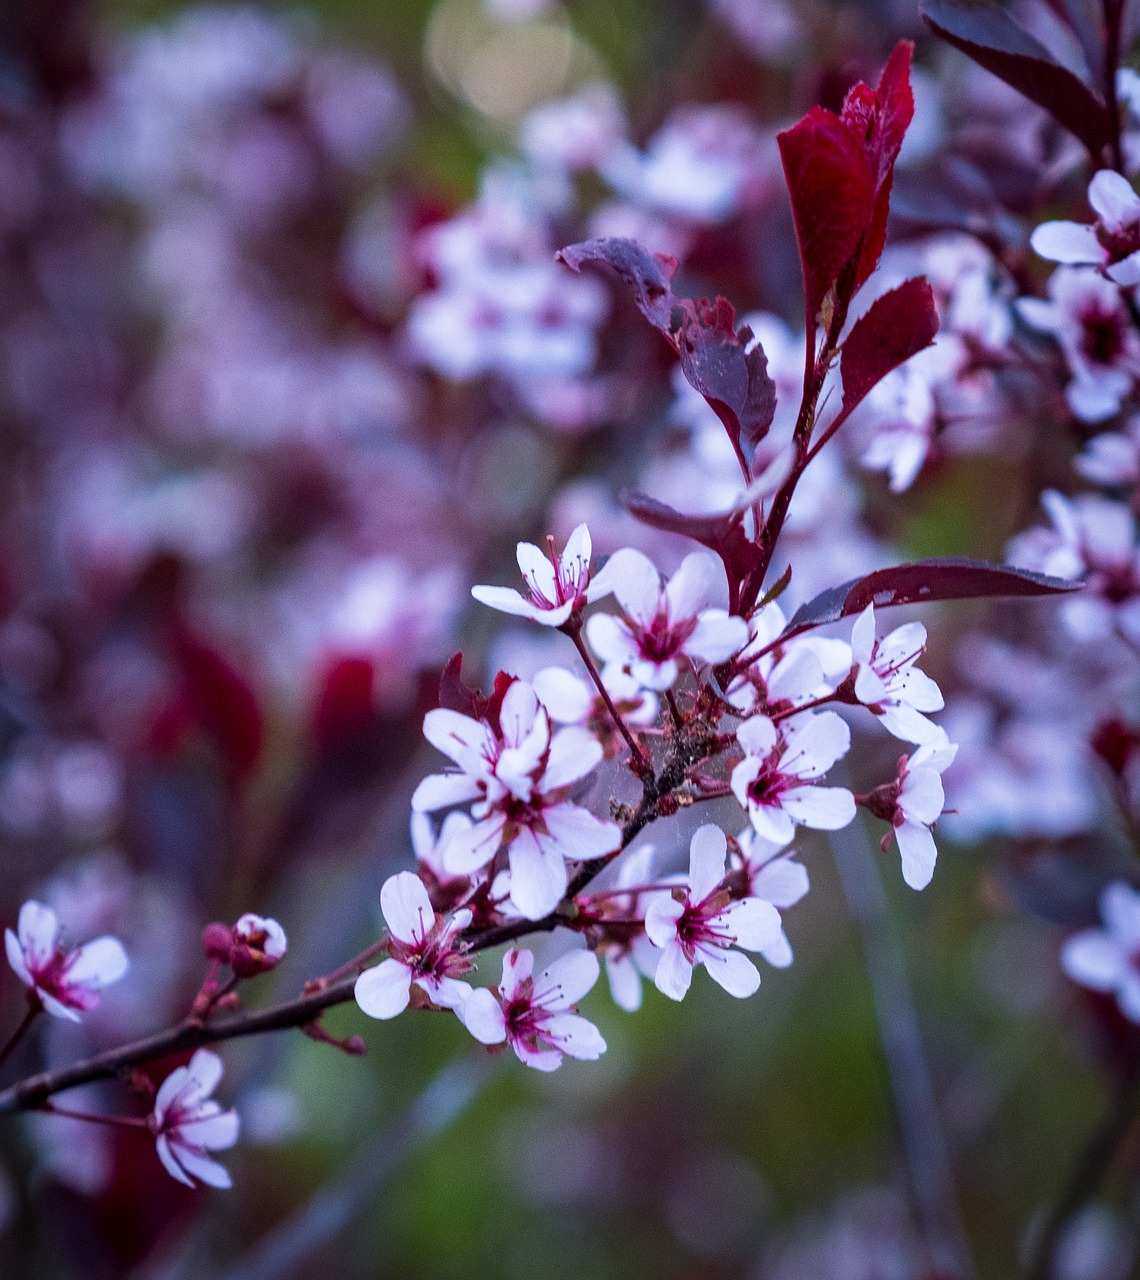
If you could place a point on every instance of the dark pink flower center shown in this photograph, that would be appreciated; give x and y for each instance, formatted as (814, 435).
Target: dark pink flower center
(662, 640)
(1102, 334)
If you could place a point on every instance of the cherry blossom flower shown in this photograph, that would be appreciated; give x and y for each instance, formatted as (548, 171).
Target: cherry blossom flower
(535, 1015)
(1088, 318)
(66, 982)
(664, 623)
(1108, 959)
(912, 804)
(888, 683)
(186, 1122)
(701, 924)
(781, 676)
(1112, 242)
(254, 945)
(774, 780)
(423, 949)
(557, 587)
(519, 774)
(444, 889)
(571, 700)
(768, 871)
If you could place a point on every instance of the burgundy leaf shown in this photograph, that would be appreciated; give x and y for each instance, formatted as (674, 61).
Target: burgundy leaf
(832, 190)
(222, 701)
(734, 381)
(455, 694)
(650, 274)
(897, 326)
(921, 583)
(990, 36)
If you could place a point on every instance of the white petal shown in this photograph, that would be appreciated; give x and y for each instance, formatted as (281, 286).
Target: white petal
(201, 1166)
(731, 970)
(538, 1059)
(1094, 960)
(162, 1143)
(482, 1015)
(462, 739)
(508, 600)
(636, 584)
(752, 923)
(782, 882)
(406, 906)
(38, 928)
(757, 736)
(214, 1132)
(97, 963)
(469, 850)
(1120, 911)
(1070, 242)
(822, 808)
(1126, 272)
(169, 1090)
(1112, 197)
(575, 558)
(537, 570)
(707, 854)
(578, 834)
(568, 699)
(16, 957)
(661, 918)
(576, 1036)
(771, 822)
(574, 752)
(442, 790)
(814, 744)
(625, 982)
(610, 638)
(918, 852)
(57, 1008)
(698, 583)
(674, 973)
(384, 991)
(538, 875)
(518, 712)
(205, 1071)
(778, 952)
(716, 636)
(909, 725)
(566, 980)
(863, 636)
(922, 798)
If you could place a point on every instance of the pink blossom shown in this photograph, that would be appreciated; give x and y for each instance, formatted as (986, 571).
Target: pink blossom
(534, 1015)
(888, 683)
(65, 981)
(424, 949)
(1112, 242)
(782, 675)
(519, 776)
(912, 804)
(664, 622)
(1108, 959)
(770, 873)
(774, 780)
(254, 945)
(1113, 457)
(701, 924)
(571, 700)
(557, 587)
(187, 1123)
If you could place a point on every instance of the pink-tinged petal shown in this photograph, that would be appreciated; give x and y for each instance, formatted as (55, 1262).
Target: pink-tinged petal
(38, 928)
(863, 637)
(575, 1036)
(508, 600)
(751, 923)
(406, 906)
(770, 821)
(169, 1163)
(538, 875)
(200, 1166)
(442, 790)
(205, 1068)
(384, 991)
(716, 637)
(578, 834)
(731, 970)
(708, 852)
(575, 558)
(566, 980)
(16, 958)
(482, 1015)
(909, 725)
(778, 952)
(797, 675)
(214, 1132)
(1069, 242)
(918, 853)
(448, 993)
(275, 944)
(869, 688)
(743, 775)
(1120, 911)
(697, 584)
(1113, 199)
(537, 571)
(757, 736)
(661, 918)
(1094, 960)
(625, 982)
(822, 808)
(574, 752)
(922, 798)
(674, 973)
(56, 1007)
(518, 712)
(518, 965)
(814, 744)
(1128, 996)
(98, 963)
(469, 850)
(610, 639)
(539, 1059)
(457, 736)
(1126, 272)
(169, 1091)
(657, 676)
(636, 584)
(567, 699)
(782, 883)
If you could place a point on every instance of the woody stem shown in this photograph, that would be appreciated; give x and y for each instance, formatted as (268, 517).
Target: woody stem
(640, 759)
(34, 1007)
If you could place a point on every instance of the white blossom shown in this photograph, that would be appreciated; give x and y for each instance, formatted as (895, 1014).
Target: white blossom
(1108, 959)
(187, 1123)
(888, 682)
(66, 981)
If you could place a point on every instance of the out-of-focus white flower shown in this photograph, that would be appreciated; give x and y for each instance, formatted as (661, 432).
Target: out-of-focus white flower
(1108, 959)
(557, 586)
(187, 1123)
(577, 132)
(664, 622)
(1112, 242)
(774, 781)
(534, 1015)
(1113, 457)
(66, 982)
(889, 684)
(571, 700)
(700, 923)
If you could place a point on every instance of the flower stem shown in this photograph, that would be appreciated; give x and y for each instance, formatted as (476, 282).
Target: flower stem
(114, 1122)
(34, 1007)
(640, 759)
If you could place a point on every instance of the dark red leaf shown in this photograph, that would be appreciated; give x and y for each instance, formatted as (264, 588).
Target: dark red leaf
(650, 274)
(734, 381)
(223, 702)
(921, 583)
(455, 694)
(344, 708)
(990, 36)
(832, 190)
(896, 326)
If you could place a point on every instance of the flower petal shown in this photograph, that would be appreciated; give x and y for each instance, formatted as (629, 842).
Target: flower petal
(708, 852)
(918, 852)
(384, 991)
(1094, 960)
(674, 973)
(566, 980)
(731, 970)
(538, 875)
(482, 1015)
